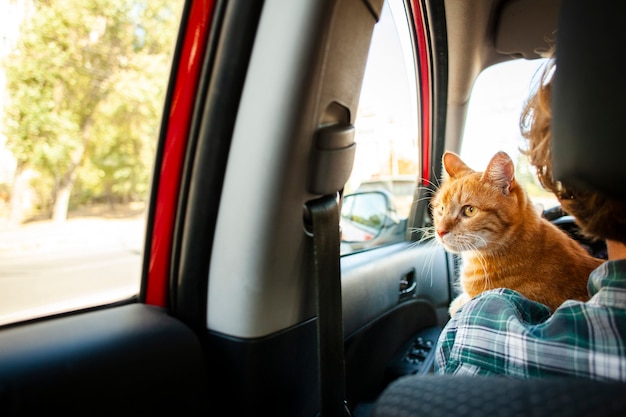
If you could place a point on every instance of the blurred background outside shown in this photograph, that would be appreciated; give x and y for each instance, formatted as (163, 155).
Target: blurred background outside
(82, 86)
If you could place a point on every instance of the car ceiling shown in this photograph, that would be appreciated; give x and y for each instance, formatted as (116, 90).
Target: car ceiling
(481, 33)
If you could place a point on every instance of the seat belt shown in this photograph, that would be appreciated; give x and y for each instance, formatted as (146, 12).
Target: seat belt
(324, 214)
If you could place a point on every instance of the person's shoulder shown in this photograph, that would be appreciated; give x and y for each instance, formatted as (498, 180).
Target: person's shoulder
(502, 304)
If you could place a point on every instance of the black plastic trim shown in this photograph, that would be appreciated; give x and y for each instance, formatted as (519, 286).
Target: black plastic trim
(417, 356)
(223, 78)
(129, 360)
(276, 375)
(371, 350)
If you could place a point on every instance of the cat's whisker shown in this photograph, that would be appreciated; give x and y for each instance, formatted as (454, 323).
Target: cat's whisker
(429, 261)
(421, 229)
(427, 233)
(424, 198)
(429, 244)
(429, 182)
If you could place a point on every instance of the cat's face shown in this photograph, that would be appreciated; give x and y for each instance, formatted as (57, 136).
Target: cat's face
(473, 210)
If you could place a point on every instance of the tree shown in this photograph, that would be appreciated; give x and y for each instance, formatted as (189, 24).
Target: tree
(84, 82)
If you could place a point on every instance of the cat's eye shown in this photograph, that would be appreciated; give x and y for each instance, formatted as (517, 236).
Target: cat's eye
(469, 211)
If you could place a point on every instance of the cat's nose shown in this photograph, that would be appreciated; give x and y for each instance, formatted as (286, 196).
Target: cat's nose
(442, 232)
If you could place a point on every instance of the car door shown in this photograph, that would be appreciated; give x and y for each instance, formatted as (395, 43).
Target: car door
(83, 334)
(396, 292)
(262, 98)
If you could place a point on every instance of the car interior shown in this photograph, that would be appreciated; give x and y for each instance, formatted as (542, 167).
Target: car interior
(575, 162)
(246, 305)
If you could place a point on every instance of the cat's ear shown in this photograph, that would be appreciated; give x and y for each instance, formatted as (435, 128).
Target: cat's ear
(500, 171)
(453, 165)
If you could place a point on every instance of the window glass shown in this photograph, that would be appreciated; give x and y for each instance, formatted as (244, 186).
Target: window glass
(386, 161)
(82, 85)
(495, 106)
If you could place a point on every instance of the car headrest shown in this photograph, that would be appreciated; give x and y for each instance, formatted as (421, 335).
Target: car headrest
(589, 97)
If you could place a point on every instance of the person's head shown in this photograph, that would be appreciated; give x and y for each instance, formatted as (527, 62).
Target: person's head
(598, 215)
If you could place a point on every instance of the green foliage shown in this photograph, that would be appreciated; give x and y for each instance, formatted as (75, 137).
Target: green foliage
(86, 85)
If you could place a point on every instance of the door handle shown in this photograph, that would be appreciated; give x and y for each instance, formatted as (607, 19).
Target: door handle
(408, 283)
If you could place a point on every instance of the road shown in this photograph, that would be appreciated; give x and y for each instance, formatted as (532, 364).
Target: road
(56, 268)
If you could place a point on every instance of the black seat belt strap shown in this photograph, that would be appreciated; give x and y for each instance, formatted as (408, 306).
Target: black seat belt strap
(324, 214)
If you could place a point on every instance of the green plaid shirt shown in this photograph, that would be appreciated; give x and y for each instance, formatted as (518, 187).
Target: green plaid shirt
(502, 332)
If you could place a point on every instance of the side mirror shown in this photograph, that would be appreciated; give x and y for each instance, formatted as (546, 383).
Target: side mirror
(369, 219)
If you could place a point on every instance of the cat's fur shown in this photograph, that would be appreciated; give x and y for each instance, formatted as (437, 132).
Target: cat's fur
(489, 219)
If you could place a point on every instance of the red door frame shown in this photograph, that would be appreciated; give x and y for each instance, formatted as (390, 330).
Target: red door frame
(424, 70)
(176, 138)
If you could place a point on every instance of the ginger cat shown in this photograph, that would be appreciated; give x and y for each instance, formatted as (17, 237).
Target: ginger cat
(489, 219)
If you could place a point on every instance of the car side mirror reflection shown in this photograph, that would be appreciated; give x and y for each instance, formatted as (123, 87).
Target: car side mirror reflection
(369, 219)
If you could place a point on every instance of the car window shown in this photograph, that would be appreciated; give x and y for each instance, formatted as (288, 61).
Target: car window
(495, 106)
(386, 160)
(82, 86)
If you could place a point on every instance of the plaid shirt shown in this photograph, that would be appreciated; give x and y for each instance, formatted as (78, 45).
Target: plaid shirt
(502, 332)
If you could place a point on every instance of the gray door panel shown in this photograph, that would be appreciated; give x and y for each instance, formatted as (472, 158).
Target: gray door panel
(393, 297)
(373, 281)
